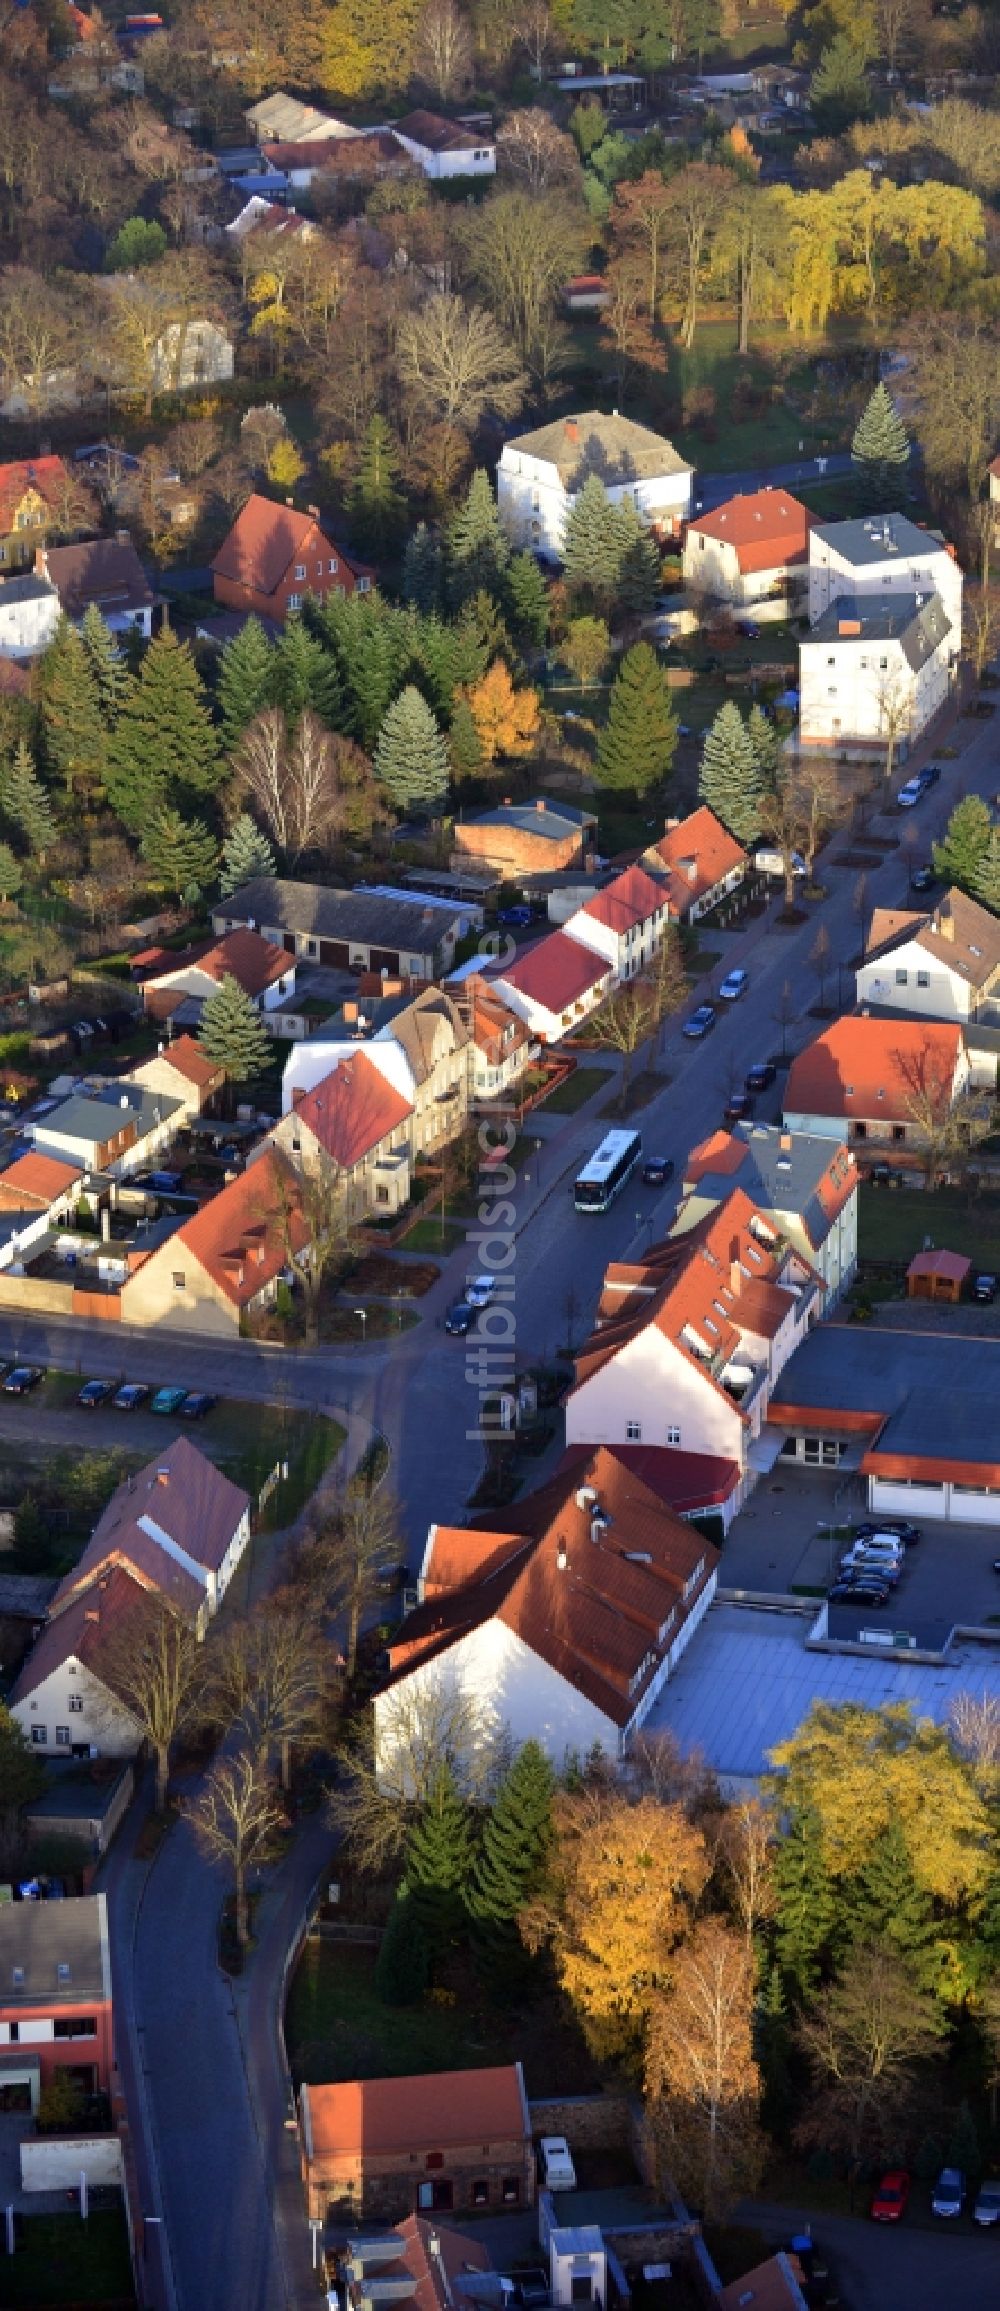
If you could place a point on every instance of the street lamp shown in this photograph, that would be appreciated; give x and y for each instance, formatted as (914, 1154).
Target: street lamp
(538, 1160)
(363, 1313)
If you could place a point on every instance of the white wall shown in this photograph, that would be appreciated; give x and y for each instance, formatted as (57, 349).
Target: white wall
(848, 684)
(56, 2162)
(944, 996)
(628, 951)
(713, 564)
(935, 572)
(102, 1722)
(27, 627)
(651, 1381)
(476, 161)
(534, 506)
(939, 1502)
(522, 1692)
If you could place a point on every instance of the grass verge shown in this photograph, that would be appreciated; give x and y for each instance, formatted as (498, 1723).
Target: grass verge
(893, 1223)
(575, 1090)
(61, 2260)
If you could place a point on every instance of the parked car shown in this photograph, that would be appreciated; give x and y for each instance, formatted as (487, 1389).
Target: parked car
(130, 1395)
(917, 786)
(23, 1378)
(884, 1537)
(163, 1183)
(987, 2206)
(771, 862)
(198, 1404)
(556, 2165)
(874, 1593)
(888, 1568)
(885, 1176)
(734, 985)
(948, 2195)
(922, 878)
(95, 1392)
(168, 1400)
(700, 1023)
(760, 1076)
(657, 1170)
(480, 1290)
(515, 918)
(984, 1287)
(890, 2199)
(738, 1107)
(388, 1578)
(460, 1319)
(899, 1527)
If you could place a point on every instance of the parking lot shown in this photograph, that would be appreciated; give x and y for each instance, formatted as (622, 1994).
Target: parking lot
(782, 1541)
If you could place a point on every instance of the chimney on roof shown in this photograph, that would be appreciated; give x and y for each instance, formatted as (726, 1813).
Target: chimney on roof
(540, 802)
(946, 923)
(314, 511)
(41, 562)
(572, 429)
(163, 1476)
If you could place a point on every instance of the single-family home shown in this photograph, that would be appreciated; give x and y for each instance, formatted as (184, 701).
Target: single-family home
(389, 2147)
(368, 158)
(541, 474)
(752, 552)
(624, 923)
(29, 615)
(357, 1121)
(555, 984)
(286, 117)
(179, 1528)
(273, 557)
(500, 1046)
(878, 1084)
(115, 1129)
(446, 148)
(942, 963)
(345, 930)
(262, 967)
(34, 493)
(417, 1039)
(189, 354)
(699, 861)
(103, 573)
(690, 1340)
(226, 1262)
(516, 838)
(265, 216)
(56, 2010)
(66, 1697)
(882, 554)
(40, 1183)
(805, 1185)
(182, 1070)
(434, 2267)
(562, 1622)
(874, 670)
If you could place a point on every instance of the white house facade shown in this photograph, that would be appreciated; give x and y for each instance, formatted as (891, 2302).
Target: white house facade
(874, 672)
(624, 923)
(70, 1709)
(942, 965)
(884, 554)
(540, 476)
(29, 615)
(445, 148)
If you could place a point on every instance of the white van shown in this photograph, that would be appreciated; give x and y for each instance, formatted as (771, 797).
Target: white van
(558, 2171)
(770, 862)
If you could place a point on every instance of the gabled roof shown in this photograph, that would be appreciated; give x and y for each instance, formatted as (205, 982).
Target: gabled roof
(254, 963)
(781, 1171)
(873, 1068)
(105, 571)
(771, 2286)
(616, 449)
(190, 1059)
(240, 1238)
(697, 853)
(98, 1116)
(312, 910)
(266, 539)
(352, 1110)
(596, 1601)
(630, 900)
(435, 134)
(437, 2259)
(283, 115)
(36, 1179)
(93, 1629)
(556, 973)
(376, 2117)
(768, 529)
(962, 936)
(47, 475)
(185, 1496)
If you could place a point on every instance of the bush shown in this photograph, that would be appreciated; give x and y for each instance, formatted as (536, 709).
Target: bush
(402, 1965)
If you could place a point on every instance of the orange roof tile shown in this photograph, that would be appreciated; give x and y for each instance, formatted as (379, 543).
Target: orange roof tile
(872, 1069)
(267, 538)
(240, 1237)
(255, 963)
(36, 1179)
(769, 529)
(192, 1061)
(93, 1629)
(631, 899)
(352, 1110)
(376, 2117)
(437, 2273)
(953, 1266)
(699, 853)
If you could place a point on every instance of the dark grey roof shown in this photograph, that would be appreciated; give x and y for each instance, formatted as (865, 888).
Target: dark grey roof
(540, 816)
(30, 587)
(781, 1172)
(39, 1938)
(841, 1368)
(918, 622)
(102, 570)
(943, 1423)
(76, 1794)
(98, 1115)
(313, 911)
(25, 1596)
(877, 538)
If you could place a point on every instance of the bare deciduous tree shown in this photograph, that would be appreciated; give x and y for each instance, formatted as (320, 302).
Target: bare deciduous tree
(443, 55)
(313, 1214)
(534, 152)
(744, 1850)
(456, 362)
(155, 1666)
(948, 1123)
(863, 2037)
(423, 1724)
(700, 2070)
(299, 785)
(341, 1560)
(264, 1675)
(236, 1818)
(520, 251)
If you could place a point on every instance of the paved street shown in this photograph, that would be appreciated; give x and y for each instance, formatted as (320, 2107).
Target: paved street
(712, 489)
(881, 2269)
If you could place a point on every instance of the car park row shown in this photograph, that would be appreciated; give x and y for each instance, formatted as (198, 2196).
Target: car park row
(123, 1396)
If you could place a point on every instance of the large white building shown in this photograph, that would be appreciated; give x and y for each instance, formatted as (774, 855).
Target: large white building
(885, 554)
(942, 964)
(874, 670)
(541, 474)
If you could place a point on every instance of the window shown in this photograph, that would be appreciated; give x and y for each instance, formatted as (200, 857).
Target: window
(864, 665)
(902, 978)
(62, 1736)
(581, 2289)
(923, 978)
(899, 1131)
(300, 569)
(75, 1704)
(334, 565)
(831, 661)
(859, 1131)
(14, 2028)
(180, 1279)
(39, 1737)
(673, 1436)
(510, 2190)
(883, 665)
(364, 585)
(295, 601)
(633, 1431)
(481, 2193)
(74, 2026)
(435, 2198)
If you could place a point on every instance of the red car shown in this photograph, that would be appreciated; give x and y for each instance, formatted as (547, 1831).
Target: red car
(889, 2202)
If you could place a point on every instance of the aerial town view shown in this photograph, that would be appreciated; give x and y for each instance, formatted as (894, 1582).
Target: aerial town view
(500, 1155)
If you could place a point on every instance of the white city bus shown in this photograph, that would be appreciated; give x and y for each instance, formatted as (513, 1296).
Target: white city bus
(609, 1168)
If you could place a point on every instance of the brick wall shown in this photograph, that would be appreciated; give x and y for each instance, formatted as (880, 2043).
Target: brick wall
(588, 2121)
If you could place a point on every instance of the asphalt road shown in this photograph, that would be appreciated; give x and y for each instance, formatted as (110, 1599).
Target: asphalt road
(881, 2268)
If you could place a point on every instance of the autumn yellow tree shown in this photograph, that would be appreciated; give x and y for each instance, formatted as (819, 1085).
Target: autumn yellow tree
(702, 2081)
(858, 1771)
(506, 719)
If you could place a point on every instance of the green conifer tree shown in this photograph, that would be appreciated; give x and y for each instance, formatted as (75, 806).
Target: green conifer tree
(423, 570)
(246, 853)
(164, 746)
(304, 674)
(23, 800)
(478, 550)
(11, 876)
(512, 1857)
(638, 562)
(411, 757)
(765, 746)
(639, 740)
(438, 1862)
(376, 505)
(401, 1967)
(527, 602)
(181, 854)
(885, 1904)
(246, 680)
(464, 745)
(592, 547)
(74, 742)
(805, 1902)
(961, 854)
(881, 447)
(730, 779)
(986, 887)
(107, 663)
(372, 680)
(234, 1034)
(840, 90)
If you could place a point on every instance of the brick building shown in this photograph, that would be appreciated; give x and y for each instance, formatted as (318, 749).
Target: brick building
(55, 1997)
(521, 837)
(273, 557)
(391, 2147)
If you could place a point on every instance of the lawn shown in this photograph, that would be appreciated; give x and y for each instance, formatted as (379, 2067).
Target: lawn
(893, 1223)
(575, 1090)
(336, 2027)
(428, 1235)
(247, 1440)
(62, 2260)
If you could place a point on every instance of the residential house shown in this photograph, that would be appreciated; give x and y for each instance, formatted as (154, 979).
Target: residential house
(563, 1622)
(182, 1071)
(226, 1262)
(33, 495)
(56, 2010)
(263, 214)
(360, 1124)
(942, 963)
(777, 2285)
(586, 293)
(389, 2147)
(752, 552)
(518, 837)
(691, 1338)
(805, 1186)
(345, 930)
(877, 1083)
(555, 985)
(66, 1696)
(273, 557)
(115, 1130)
(40, 1183)
(699, 861)
(105, 573)
(885, 555)
(282, 116)
(368, 158)
(541, 474)
(191, 354)
(262, 967)
(29, 615)
(179, 1528)
(874, 671)
(501, 1045)
(446, 148)
(417, 1040)
(427, 2264)
(624, 923)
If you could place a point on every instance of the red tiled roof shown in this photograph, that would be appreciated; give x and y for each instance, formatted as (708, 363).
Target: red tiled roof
(437, 2275)
(94, 1625)
(192, 1061)
(953, 1266)
(720, 1152)
(47, 475)
(148, 1564)
(36, 1179)
(266, 539)
(698, 852)
(686, 1481)
(240, 1237)
(255, 963)
(631, 899)
(557, 972)
(872, 1069)
(444, 2111)
(183, 1493)
(768, 529)
(352, 1110)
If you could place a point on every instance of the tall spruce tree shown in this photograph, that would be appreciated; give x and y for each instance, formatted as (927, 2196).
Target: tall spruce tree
(885, 1904)
(986, 886)
(638, 562)
(106, 661)
(11, 875)
(401, 1967)
(806, 1911)
(478, 550)
(376, 506)
(730, 780)
(234, 1034)
(304, 674)
(438, 1862)
(512, 1857)
(24, 803)
(245, 682)
(592, 547)
(639, 740)
(73, 731)
(960, 855)
(765, 746)
(423, 570)
(411, 757)
(246, 853)
(181, 854)
(881, 447)
(164, 747)
(527, 602)
(372, 676)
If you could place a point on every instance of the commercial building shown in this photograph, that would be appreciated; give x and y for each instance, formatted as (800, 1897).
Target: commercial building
(55, 1997)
